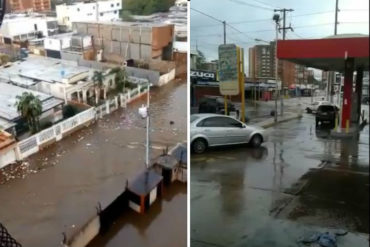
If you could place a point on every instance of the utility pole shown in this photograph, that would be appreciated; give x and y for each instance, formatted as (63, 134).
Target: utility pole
(336, 17)
(332, 73)
(224, 23)
(276, 18)
(284, 28)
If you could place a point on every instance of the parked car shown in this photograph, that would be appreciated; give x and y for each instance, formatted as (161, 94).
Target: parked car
(208, 130)
(312, 108)
(215, 104)
(326, 114)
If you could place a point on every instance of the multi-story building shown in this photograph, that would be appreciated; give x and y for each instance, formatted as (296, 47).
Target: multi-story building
(26, 5)
(103, 10)
(21, 27)
(262, 62)
(262, 67)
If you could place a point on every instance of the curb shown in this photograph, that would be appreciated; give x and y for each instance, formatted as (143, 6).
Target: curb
(268, 125)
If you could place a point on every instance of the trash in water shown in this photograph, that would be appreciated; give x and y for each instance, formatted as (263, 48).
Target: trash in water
(326, 239)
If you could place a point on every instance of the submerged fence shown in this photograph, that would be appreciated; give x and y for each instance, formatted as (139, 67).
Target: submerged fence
(55, 133)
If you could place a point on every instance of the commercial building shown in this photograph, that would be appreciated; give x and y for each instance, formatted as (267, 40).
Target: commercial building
(26, 5)
(122, 41)
(22, 27)
(51, 107)
(88, 11)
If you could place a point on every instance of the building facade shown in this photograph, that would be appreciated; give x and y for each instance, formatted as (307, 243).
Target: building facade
(28, 5)
(21, 27)
(262, 67)
(94, 11)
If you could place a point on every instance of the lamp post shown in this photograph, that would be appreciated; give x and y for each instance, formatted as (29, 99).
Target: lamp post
(144, 113)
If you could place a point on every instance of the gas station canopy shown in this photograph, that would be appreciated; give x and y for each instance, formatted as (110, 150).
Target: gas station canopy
(326, 54)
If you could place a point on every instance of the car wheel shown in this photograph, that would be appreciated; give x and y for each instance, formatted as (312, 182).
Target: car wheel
(199, 146)
(309, 110)
(256, 141)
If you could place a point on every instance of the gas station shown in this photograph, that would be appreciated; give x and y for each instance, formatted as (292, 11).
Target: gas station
(346, 54)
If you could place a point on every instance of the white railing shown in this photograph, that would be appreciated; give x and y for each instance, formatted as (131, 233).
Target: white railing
(32, 144)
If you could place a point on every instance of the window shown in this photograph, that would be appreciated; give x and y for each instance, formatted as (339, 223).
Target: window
(219, 122)
(231, 123)
(110, 82)
(101, 14)
(115, 11)
(112, 5)
(117, 4)
(78, 9)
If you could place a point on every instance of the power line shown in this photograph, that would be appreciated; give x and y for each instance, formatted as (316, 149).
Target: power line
(251, 5)
(200, 12)
(267, 4)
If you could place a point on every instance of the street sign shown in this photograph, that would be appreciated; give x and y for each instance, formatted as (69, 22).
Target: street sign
(228, 69)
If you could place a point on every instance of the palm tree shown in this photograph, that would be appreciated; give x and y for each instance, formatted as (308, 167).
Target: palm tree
(98, 79)
(30, 108)
(120, 78)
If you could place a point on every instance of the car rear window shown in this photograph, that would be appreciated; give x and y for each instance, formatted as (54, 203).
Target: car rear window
(326, 108)
(193, 118)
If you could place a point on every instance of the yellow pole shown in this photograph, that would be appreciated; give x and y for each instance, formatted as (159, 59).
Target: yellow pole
(241, 81)
(336, 123)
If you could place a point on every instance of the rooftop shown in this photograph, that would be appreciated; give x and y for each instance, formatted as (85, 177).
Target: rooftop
(127, 24)
(8, 99)
(144, 182)
(36, 68)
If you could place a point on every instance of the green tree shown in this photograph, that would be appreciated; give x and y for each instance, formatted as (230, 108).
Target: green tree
(200, 60)
(98, 79)
(147, 7)
(30, 108)
(120, 78)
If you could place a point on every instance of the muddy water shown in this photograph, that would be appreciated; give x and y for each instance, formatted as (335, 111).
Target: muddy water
(60, 187)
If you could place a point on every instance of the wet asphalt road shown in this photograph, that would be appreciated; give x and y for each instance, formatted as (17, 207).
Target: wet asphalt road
(299, 181)
(64, 183)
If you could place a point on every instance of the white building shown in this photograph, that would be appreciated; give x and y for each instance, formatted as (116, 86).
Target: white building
(21, 27)
(59, 78)
(97, 11)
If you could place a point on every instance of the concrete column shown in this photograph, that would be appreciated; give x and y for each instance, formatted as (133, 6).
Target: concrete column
(347, 92)
(78, 96)
(84, 96)
(359, 77)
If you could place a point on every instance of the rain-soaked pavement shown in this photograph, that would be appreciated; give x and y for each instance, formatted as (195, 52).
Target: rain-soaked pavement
(298, 182)
(61, 185)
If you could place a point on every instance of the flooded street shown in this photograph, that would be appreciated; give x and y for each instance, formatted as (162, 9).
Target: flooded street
(63, 184)
(164, 225)
(297, 182)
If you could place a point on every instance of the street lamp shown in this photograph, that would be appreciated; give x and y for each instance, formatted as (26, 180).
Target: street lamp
(144, 113)
(276, 18)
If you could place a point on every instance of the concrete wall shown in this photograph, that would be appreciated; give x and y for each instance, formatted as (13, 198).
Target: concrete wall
(152, 76)
(8, 156)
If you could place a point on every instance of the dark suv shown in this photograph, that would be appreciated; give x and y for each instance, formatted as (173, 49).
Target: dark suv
(215, 104)
(326, 115)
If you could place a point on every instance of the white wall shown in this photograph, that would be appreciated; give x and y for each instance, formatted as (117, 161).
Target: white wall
(7, 157)
(57, 44)
(24, 25)
(101, 11)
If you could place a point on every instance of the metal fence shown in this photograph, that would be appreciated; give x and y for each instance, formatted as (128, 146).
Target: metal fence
(6, 240)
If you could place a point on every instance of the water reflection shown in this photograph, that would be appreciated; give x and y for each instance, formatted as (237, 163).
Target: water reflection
(232, 180)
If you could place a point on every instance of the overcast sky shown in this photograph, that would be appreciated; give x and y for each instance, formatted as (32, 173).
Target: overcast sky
(310, 19)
